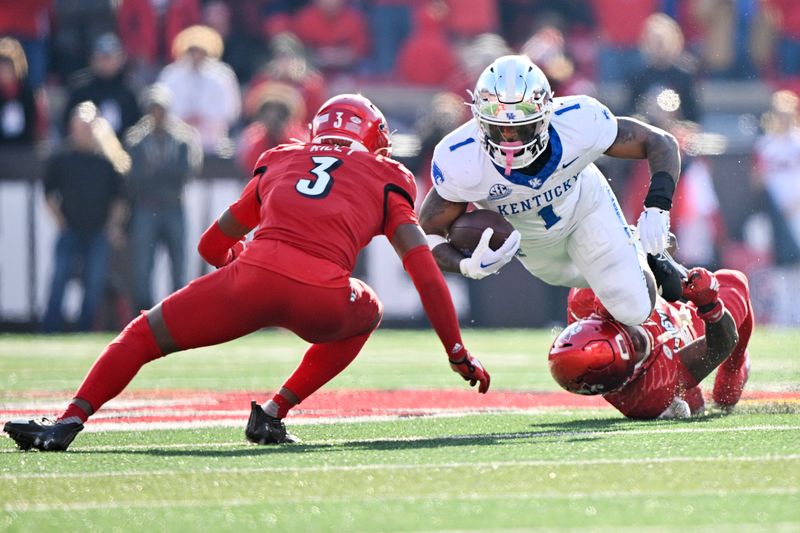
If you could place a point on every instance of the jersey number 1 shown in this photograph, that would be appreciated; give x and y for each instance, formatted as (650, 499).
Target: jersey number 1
(321, 185)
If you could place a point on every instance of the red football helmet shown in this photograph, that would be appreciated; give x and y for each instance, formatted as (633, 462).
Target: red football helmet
(352, 117)
(592, 356)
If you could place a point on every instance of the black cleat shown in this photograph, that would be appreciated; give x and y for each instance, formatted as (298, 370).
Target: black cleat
(42, 434)
(669, 275)
(265, 429)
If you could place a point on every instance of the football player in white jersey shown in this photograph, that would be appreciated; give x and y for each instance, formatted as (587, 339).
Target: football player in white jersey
(530, 157)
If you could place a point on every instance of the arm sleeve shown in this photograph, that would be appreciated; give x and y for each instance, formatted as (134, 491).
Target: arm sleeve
(246, 210)
(435, 296)
(399, 209)
(215, 247)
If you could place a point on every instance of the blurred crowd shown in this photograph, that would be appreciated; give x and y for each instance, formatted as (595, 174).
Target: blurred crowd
(133, 94)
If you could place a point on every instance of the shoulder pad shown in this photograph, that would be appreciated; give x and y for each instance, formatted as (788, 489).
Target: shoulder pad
(457, 165)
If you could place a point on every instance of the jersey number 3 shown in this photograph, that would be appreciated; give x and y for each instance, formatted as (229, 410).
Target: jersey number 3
(320, 186)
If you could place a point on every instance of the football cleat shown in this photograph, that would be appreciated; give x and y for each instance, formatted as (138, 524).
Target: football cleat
(43, 434)
(669, 275)
(265, 429)
(729, 383)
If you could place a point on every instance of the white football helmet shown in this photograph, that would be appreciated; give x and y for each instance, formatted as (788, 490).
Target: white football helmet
(512, 103)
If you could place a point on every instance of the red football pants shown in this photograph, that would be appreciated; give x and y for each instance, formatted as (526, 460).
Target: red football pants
(230, 303)
(240, 298)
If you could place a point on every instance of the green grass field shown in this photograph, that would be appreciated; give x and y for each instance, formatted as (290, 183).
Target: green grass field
(553, 469)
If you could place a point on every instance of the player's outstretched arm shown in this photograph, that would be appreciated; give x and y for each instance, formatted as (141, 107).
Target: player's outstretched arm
(706, 353)
(637, 140)
(223, 241)
(411, 246)
(436, 216)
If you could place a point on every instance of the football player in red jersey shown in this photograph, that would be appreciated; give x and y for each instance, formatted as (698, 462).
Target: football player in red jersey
(315, 206)
(655, 369)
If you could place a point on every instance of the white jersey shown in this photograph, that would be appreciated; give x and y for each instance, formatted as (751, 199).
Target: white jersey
(540, 206)
(573, 231)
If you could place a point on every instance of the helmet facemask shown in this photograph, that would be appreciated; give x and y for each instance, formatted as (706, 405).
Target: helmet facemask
(515, 146)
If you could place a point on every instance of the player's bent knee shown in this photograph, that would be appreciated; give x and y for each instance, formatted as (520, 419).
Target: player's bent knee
(629, 314)
(733, 280)
(158, 327)
(138, 334)
(377, 320)
(734, 291)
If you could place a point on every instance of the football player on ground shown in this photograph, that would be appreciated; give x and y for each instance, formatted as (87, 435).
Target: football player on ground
(316, 205)
(530, 157)
(655, 369)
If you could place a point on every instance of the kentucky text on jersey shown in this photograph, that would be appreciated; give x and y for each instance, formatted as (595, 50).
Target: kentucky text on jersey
(537, 200)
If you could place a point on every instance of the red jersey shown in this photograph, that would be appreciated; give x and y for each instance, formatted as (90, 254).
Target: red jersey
(316, 206)
(657, 379)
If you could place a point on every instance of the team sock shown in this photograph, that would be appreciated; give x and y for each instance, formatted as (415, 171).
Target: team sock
(320, 364)
(280, 403)
(73, 412)
(115, 368)
(72, 420)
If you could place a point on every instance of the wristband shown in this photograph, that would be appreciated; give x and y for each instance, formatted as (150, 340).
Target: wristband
(712, 312)
(662, 188)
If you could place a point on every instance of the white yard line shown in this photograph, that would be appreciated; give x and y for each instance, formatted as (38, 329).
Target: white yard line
(398, 466)
(481, 496)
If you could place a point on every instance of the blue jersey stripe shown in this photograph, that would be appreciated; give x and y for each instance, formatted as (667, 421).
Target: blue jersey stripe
(468, 140)
(569, 108)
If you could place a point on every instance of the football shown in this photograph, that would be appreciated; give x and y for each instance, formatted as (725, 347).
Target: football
(466, 230)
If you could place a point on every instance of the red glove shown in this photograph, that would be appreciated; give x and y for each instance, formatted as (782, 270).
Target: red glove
(470, 369)
(702, 289)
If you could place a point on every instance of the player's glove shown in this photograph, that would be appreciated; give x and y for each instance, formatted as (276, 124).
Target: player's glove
(653, 229)
(485, 261)
(470, 369)
(702, 289)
